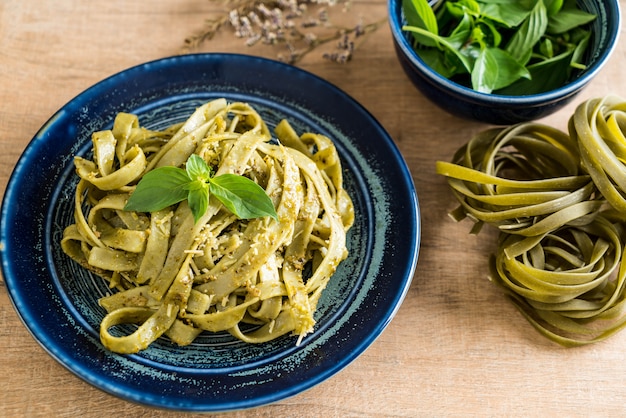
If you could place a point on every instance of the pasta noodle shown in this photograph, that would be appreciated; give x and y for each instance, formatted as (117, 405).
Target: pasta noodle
(558, 200)
(257, 279)
(515, 177)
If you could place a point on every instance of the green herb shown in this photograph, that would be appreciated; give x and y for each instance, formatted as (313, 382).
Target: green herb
(504, 47)
(165, 186)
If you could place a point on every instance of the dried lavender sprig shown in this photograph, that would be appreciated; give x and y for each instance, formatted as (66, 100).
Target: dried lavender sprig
(274, 22)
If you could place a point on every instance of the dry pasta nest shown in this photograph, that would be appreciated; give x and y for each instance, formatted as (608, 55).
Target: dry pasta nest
(558, 200)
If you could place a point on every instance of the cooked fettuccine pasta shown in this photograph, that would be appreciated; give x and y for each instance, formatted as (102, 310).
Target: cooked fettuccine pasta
(257, 279)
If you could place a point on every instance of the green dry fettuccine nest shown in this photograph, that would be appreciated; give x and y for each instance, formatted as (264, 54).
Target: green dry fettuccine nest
(559, 202)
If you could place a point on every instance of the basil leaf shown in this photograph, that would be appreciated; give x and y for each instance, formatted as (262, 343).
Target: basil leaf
(443, 42)
(197, 168)
(530, 32)
(196, 185)
(242, 196)
(418, 13)
(460, 34)
(461, 41)
(495, 69)
(509, 14)
(528, 4)
(158, 189)
(166, 186)
(478, 36)
(461, 8)
(553, 6)
(198, 200)
(568, 19)
(546, 48)
(492, 33)
(469, 30)
(546, 75)
(579, 51)
(436, 59)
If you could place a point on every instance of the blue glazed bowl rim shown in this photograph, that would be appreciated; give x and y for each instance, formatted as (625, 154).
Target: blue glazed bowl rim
(613, 14)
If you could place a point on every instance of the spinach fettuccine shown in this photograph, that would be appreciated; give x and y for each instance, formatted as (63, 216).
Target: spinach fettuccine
(175, 274)
(559, 202)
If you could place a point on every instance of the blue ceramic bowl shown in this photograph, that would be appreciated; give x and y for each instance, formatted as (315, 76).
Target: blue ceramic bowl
(500, 109)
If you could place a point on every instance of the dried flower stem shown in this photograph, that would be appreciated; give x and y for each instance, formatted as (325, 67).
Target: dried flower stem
(290, 23)
(211, 27)
(347, 44)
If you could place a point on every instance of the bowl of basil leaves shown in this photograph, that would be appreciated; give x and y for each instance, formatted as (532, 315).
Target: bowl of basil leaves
(503, 62)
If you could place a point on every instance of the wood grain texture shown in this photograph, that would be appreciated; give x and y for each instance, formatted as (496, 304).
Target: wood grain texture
(456, 346)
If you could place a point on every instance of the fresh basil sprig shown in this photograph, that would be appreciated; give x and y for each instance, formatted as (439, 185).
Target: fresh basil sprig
(166, 186)
(504, 47)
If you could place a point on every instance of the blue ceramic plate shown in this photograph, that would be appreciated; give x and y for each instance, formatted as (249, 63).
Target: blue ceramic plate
(57, 300)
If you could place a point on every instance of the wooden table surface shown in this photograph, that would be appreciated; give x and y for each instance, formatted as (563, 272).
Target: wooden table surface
(456, 346)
